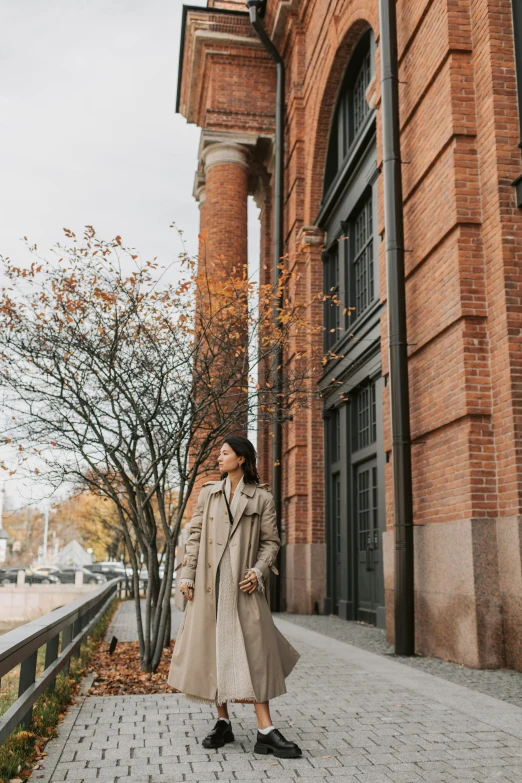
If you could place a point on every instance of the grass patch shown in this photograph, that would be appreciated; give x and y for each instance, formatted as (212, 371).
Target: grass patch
(23, 750)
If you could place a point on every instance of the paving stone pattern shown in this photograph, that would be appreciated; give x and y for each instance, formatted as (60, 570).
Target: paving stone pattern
(502, 684)
(359, 717)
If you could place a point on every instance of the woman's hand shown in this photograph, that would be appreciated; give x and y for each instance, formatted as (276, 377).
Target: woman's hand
(187, 591)
(249, 583)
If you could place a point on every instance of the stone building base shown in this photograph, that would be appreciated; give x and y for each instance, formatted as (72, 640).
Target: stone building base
(468, 591)
(305, 578)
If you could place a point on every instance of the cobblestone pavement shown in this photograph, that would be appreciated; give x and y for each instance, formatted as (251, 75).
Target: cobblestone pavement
(124, 626)
(359, 717)
(500, 683)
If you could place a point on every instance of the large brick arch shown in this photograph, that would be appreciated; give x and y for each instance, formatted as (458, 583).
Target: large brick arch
(349, 26)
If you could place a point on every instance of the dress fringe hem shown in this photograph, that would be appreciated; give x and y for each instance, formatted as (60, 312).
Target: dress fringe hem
(199, 699)
(219, 702)
(229, 700)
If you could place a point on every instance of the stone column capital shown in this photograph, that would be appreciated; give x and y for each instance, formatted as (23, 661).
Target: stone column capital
(226, 152)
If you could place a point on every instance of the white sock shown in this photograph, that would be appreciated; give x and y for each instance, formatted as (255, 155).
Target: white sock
(266, 731)
(227, 720)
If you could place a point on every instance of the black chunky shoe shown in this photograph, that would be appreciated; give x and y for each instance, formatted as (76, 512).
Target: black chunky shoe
(219, 736)
(275, 743)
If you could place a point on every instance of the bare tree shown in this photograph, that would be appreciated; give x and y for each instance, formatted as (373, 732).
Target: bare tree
(125, 385)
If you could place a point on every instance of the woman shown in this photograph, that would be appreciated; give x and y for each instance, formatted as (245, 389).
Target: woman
(228, 648)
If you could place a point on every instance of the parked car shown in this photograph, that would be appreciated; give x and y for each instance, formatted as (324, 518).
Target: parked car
(9, 576)
(45, 570)
(116, 564)
(68, 576)
(109, 570)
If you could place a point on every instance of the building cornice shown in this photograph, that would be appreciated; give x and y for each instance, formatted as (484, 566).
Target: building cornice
(196, 32)
(186, 10)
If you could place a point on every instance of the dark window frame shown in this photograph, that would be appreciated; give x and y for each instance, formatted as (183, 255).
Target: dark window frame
(339, 274)
(361, 297)
(332, 292)
(343, 133)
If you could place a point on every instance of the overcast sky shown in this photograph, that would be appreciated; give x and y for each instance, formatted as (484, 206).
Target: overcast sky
(88, 129)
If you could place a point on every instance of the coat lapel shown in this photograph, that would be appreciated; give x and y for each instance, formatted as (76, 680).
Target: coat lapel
(246, 493)
(224, 530)
(221, 522)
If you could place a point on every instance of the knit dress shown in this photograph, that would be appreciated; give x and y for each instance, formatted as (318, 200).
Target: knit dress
(233, 674)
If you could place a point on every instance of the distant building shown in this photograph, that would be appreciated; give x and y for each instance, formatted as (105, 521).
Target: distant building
(73, 554)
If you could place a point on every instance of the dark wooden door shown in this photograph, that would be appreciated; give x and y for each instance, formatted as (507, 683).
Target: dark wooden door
(367, 501)
(337, 532)
(366, 515)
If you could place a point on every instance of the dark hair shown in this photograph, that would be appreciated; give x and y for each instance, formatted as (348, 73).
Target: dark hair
(244, 448)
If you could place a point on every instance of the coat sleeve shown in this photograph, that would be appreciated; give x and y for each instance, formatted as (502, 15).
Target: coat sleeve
(190, 561)
(269, 541)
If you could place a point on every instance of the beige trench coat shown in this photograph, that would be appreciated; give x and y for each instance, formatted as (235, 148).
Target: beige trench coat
(254, 543)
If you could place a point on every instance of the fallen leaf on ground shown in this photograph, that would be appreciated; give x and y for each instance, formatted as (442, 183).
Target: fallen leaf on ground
(120, 673)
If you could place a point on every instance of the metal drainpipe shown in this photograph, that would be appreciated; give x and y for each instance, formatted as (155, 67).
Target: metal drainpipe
(517, 39)
(397, 337)
(256, 9)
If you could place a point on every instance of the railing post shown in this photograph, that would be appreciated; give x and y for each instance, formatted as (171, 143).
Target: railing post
(27, 678)
(67, 636)
(90, 614)
(51, 654)
(77, 627)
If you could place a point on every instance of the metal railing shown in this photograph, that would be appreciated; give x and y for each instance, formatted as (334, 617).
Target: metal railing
(75, 621)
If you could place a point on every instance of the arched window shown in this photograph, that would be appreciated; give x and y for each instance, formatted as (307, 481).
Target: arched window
(350, 274)
(352, 382)
(352, 112)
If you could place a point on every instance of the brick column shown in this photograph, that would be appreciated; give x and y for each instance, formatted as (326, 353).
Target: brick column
(222, 192)
(226, 191)
(200, 196)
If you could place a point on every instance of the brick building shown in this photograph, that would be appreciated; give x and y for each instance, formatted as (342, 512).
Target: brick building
(460, 146)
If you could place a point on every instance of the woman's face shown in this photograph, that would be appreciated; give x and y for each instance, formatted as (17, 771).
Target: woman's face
(228, 460)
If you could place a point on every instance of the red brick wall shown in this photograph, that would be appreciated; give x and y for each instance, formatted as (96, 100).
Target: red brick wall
(459, 139)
